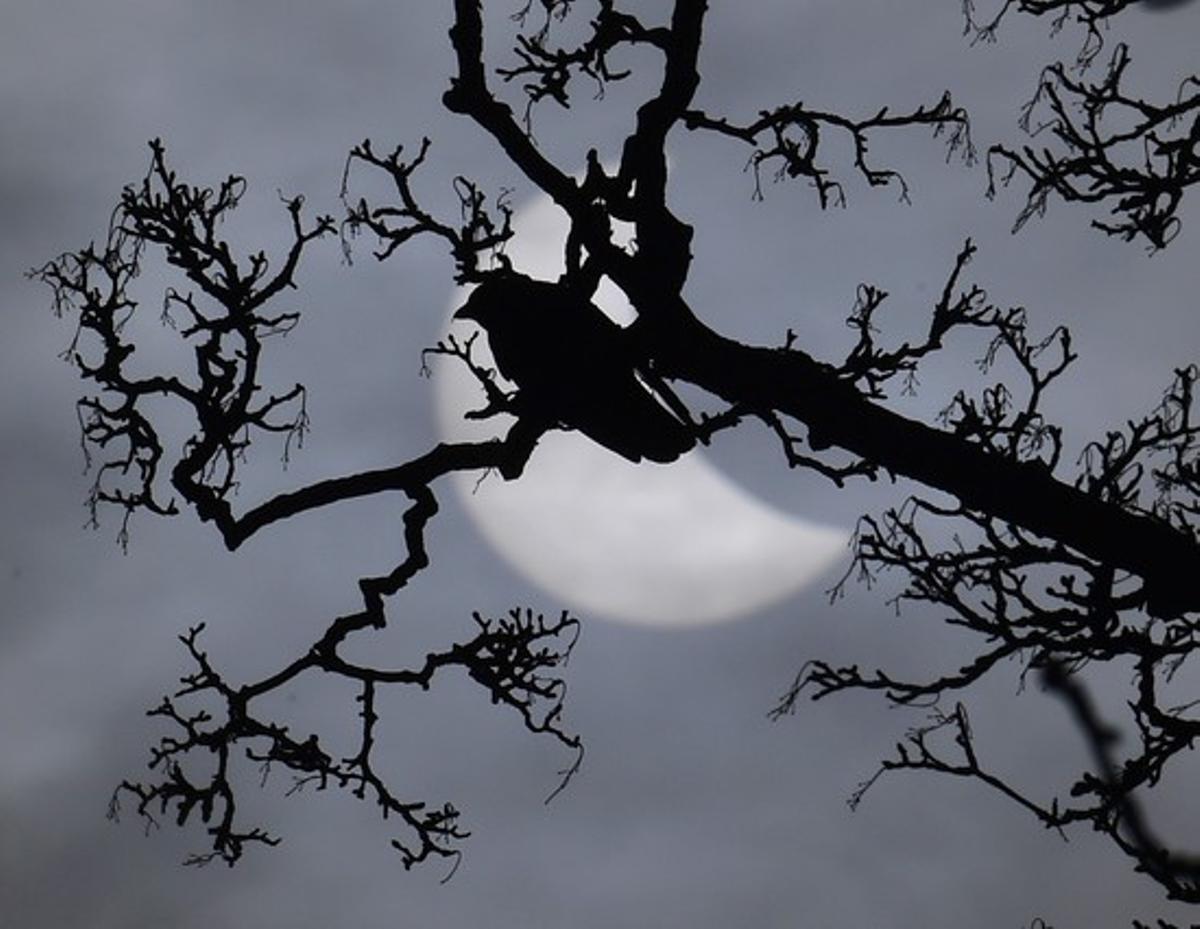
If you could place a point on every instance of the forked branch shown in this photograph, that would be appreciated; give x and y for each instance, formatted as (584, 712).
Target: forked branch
(1109, 148)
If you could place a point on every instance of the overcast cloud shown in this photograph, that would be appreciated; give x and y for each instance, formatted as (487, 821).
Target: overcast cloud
(692, 809)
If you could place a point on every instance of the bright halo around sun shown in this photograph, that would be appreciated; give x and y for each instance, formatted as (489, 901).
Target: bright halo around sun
(664, 545)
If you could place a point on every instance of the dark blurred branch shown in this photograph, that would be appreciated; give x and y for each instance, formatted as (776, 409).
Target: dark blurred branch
(1128, 826)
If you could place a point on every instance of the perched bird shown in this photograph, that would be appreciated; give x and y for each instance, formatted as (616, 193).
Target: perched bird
(573, 366)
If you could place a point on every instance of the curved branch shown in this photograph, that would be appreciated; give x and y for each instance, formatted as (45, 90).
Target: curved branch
(507, 456)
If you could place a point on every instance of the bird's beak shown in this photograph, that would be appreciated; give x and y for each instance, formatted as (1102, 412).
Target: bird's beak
(469, 310)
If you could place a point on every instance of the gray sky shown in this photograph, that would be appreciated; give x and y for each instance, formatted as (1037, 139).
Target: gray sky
(692, 809)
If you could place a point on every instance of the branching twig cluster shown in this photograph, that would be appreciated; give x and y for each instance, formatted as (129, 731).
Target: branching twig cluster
(990, 420)
(547, 72)
(994, 421)
(223, 319)
(793, 134)
(497, 400)
(1162, 447)
(552, 10)
(1036, 602)
(1093, 15)
(224, 322)
(478, 232)
(227, 327)
(1114, 149)
(512, 657)
(1173, 435)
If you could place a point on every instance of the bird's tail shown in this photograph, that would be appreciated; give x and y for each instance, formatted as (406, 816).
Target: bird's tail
(637, 426)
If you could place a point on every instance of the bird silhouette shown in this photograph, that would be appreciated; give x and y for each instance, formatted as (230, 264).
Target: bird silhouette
(574, 366)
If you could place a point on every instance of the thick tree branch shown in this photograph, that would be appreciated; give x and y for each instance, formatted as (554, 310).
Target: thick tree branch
(1024, 493)
(507, 456)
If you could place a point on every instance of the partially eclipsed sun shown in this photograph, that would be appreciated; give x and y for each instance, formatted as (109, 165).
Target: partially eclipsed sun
(667, 545)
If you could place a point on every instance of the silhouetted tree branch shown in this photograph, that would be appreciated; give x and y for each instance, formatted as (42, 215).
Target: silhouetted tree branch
(478, 231)
(1132, 155)
(509, 657)
(1056, 571)
(1033, 601)
(1093, 15)
(795, 137)
(1136, 157)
